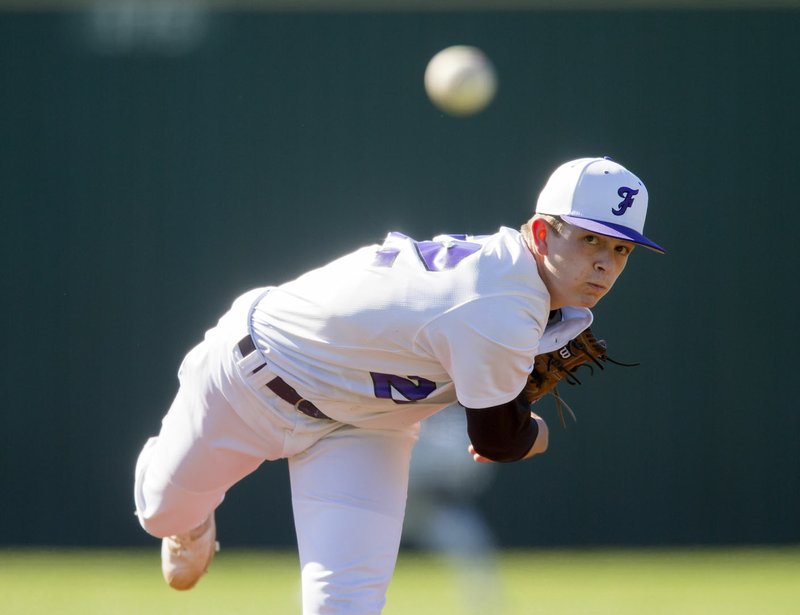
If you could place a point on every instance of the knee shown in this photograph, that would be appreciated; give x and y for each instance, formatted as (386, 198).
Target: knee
(161, 522)
(154, 512)
(155, 525)
(171, 512)
(163, 508)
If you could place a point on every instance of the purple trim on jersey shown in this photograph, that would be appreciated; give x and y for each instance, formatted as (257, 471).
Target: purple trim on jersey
(611, 229)
(438, 256)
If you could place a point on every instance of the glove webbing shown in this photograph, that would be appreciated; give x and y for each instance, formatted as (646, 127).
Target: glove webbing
(571, 379)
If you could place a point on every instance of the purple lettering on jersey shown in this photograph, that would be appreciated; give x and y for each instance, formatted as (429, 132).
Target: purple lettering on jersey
(438, 256)
(434, 255)
(385, 257)
(407, 387)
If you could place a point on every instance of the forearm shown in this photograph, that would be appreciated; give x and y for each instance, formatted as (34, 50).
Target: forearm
(508, 432)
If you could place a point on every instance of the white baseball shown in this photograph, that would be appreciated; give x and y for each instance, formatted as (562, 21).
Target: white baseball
(461, 80)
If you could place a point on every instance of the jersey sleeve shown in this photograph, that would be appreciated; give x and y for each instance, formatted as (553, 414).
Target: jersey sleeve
(487, 347)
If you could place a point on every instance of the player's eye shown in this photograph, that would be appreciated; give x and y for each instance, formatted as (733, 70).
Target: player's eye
(592, 240)
(624, 250)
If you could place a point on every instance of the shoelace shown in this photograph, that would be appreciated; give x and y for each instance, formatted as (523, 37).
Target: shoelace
(175, 546)
(571, 379)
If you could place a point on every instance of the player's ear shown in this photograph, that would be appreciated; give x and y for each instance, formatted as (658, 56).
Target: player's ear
(540, 234)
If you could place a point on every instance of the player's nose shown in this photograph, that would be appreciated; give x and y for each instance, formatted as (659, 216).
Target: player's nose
(604, 260)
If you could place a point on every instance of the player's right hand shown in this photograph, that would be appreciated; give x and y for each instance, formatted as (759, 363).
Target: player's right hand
(477, 456)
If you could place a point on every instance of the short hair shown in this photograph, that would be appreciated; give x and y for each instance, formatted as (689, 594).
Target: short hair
(554, 222)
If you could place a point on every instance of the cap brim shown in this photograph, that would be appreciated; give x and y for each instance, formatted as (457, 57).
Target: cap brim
(613, 230)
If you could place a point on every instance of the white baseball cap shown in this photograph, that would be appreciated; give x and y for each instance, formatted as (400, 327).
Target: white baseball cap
(598, 195)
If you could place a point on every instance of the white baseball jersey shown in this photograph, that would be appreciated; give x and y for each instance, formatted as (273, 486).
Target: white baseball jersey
(392, 333)
(378, 340)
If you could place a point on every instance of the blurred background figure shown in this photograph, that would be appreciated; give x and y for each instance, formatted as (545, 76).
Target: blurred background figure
(442, 513)
(169, 28)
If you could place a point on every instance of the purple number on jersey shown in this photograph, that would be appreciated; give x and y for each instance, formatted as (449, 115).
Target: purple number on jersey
(413, 388)
(434, 256)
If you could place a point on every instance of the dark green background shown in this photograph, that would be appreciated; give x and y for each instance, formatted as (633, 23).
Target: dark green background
(145, 184)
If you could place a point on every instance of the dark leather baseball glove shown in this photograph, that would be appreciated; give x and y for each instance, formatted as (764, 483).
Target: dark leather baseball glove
(551, 368)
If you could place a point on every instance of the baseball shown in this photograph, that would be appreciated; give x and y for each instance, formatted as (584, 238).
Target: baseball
(460, 80)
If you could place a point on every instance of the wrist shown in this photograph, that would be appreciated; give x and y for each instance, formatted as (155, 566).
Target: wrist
(542, 437)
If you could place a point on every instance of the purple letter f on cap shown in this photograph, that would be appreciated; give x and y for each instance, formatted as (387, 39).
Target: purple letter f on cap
(627, 195)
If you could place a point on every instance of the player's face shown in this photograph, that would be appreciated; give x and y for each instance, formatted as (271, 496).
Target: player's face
(579, 267)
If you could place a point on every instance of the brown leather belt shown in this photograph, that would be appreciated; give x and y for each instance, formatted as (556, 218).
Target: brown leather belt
(278, 385)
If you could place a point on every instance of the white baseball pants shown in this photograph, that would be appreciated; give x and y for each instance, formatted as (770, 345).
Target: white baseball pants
(348, 484)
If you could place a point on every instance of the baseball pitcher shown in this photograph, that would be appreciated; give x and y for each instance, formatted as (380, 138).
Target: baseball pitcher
(335, 369)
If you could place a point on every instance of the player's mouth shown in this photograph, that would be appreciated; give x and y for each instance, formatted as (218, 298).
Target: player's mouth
(598, 288)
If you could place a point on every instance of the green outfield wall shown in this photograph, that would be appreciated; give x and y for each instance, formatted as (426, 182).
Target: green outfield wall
(155, 165)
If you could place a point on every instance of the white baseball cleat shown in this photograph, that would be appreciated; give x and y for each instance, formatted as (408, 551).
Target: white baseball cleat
(186, 557)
